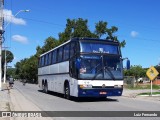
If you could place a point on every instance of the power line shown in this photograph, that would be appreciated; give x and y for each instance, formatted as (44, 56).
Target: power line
(59, 25)
(124, 24)
(140, 38)
(42, 21)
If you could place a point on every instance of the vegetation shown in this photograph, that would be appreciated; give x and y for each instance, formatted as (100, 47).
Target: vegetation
(137, 71)
(148, 86)
(10, 72)
(27, 68)
(158, 69)
(149, 93)
(9, 57)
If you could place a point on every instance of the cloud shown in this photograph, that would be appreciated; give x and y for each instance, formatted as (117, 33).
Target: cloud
(134, 34)
(19, 38)
(10, 18)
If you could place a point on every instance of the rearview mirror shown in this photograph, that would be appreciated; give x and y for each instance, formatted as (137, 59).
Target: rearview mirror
(128, 64)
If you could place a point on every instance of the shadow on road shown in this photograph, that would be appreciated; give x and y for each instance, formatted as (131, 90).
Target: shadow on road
(88, 99)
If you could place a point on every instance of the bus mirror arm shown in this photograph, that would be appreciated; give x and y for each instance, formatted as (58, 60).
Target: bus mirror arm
(124, 58)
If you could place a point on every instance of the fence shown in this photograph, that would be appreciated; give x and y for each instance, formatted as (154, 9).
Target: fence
(129, 81)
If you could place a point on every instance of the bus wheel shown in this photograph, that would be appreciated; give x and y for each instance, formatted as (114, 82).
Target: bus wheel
(67, 91)
(46, 87)
(43, 86)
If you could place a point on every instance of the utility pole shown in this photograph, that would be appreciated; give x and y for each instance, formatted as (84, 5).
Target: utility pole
(5, 67)
(1, 36)
(5, 64)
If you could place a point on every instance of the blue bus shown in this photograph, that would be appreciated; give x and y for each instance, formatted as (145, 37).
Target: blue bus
(82, 67)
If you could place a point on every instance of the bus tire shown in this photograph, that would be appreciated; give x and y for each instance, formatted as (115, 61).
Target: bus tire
(46, 87)
(67, 91)
(43, 86)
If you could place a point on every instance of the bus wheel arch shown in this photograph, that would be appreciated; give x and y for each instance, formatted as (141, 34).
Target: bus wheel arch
(66, 89)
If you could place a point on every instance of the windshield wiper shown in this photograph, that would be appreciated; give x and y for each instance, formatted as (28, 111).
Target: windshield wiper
(95, 67)
(97, 74)
(103, 68)
(109, 72)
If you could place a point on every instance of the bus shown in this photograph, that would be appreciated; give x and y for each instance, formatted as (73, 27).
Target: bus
(82, 67)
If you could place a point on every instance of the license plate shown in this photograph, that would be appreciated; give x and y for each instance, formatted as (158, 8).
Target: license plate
(103, 93)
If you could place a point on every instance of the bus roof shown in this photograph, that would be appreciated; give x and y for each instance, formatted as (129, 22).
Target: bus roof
(82, 39)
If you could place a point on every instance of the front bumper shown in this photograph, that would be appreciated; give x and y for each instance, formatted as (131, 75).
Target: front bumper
(99, 92)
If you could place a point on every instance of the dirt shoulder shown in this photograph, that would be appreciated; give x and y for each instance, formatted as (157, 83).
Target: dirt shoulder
(134, 94)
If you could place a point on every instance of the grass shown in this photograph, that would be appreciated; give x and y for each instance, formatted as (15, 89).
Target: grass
(143, 87)
(148, 93)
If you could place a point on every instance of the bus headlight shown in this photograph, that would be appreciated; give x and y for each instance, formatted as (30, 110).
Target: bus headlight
(118, 86)
(85, 86)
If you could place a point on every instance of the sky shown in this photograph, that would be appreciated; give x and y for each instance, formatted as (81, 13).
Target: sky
(138, 23)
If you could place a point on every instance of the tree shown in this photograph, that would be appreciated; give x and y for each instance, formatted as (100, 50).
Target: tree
(136, 71)
(102, 29)
(27, 68)
(9, 56)
(75, 28)
(10, 72)
(39, 51)
(20, 72)
(158, 69)
(49, 44)
(31, 67)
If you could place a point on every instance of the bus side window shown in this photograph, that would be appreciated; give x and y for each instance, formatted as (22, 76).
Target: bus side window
(73, 49)
(66, 52)
(49, 58)
(42, 61)
(59, 54)
(54, 56)
(46, 59)
(39, 62)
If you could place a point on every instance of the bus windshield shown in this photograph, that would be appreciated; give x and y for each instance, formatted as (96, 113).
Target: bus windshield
(90, 47)
(100, 67)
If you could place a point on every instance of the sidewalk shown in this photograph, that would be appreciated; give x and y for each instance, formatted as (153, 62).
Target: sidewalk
(4, 100)
(13, 100)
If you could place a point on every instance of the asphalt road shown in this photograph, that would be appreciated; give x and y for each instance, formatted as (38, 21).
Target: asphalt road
(56, 102)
